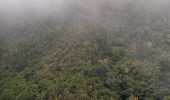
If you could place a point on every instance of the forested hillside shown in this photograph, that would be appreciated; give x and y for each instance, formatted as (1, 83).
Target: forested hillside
(85, 50)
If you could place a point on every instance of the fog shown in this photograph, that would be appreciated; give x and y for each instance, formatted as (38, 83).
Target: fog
(20, 7)
(13, 12)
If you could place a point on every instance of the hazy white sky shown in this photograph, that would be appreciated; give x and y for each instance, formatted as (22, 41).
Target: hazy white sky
(44, 7)
(13, 11)
(20, 5)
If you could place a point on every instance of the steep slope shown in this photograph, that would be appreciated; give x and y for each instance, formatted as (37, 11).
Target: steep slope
(90, 51)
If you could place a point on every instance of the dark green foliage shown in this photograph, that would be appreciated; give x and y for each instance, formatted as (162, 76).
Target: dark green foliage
(45, 85)
(8, 94)
(117, 54)
(97, 72)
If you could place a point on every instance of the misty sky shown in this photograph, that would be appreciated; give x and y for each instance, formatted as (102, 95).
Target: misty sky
(18, 6)
(16, 9)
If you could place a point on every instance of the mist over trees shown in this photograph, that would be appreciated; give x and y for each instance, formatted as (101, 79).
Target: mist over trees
(84, 50)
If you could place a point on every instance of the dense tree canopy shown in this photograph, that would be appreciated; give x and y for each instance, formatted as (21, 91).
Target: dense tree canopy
(85, 52)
